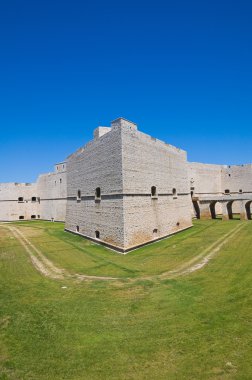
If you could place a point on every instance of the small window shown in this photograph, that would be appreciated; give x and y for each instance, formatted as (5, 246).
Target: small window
(33, 216)
(174, 192)
(227, 191)
(20, 199)
(38, 216)
(55, 183)
(77, 229)
(177, 224)
(78, 195)
(153, 191)
(97, 234)
(21, 217)
(60, 180)
(229, 175)
(155, 231)
(34, 199)
(98, 193)
(52, 219)
(240, 191)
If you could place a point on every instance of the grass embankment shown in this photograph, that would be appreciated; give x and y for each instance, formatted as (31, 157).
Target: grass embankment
(80, 255)
(192, 327)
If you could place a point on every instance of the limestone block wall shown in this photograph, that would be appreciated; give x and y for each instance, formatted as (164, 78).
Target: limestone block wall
(148, 162)
(218, 180)
(45, 199)
(237, 178)
(125, 164)
(97, 165)
(205, 179)
(52, 191)
(18, 201)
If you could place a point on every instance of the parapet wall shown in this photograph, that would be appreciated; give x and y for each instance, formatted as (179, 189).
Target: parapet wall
(214, 188)
(207, 179)
(18, 201)
(44, 199)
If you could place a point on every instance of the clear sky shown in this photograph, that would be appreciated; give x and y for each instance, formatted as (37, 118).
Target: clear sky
(182, 70)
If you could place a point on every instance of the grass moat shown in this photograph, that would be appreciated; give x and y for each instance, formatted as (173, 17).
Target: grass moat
(179, 308)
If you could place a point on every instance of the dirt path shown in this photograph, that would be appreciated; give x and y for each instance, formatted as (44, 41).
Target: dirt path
(204, 257)
(48, 269)
(45, 266)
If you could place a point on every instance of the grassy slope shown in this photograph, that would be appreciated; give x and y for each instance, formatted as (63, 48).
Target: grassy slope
(80, 255)
(196, 327)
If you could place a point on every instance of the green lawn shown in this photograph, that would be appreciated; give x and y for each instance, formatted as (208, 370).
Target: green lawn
(80, 255)
(193, 327)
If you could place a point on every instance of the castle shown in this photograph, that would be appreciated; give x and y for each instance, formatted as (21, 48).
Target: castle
(125, 189)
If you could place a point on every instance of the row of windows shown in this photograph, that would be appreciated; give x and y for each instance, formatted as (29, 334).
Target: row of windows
(60, 181)
(227, 191)
(33, 199)
(32, 217)
(98, 193)
(155, 194)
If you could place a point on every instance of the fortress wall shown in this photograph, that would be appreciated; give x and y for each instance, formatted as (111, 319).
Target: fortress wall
(52, 190)
(149, 162)
(236, 178)
(205, 179)
(146, 219)
(11, 208)
(213, 180)
(98, 164)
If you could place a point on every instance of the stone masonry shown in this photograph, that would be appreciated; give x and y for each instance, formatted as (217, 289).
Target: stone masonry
(125, 189)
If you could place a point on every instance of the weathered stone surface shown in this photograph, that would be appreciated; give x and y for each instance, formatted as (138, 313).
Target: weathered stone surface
(125, 188)
(45, 199)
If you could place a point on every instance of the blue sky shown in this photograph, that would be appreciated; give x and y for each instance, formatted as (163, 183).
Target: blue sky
(182, 70)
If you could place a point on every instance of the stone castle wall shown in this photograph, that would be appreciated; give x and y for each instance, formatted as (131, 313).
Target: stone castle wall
(52, 190)
(97, 165)
(18, 201)
(222, 182)
(45, 199)
(149, 162)
(208, 179)
(124, 165)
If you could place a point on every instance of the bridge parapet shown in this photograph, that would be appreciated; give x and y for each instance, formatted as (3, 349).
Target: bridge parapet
(205, 207)
(223, 198)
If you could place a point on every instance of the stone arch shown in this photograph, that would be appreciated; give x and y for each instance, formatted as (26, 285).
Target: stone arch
(212, 209)
(196, 209)
(230, 210)
(248, 210)
(215, 208)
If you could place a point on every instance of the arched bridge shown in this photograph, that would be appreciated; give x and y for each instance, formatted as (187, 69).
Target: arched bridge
(208, 207)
